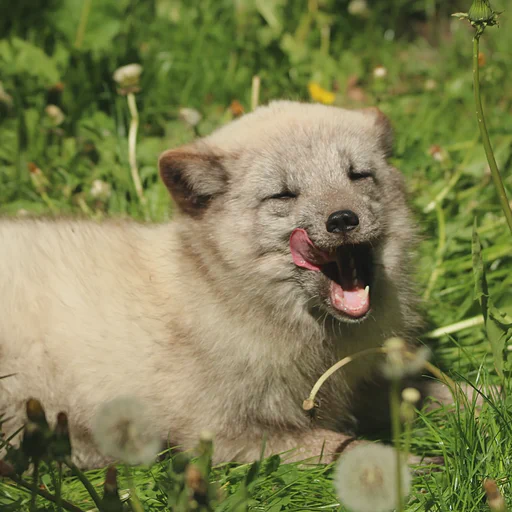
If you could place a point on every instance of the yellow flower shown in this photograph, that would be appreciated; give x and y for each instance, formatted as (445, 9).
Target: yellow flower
(321, 95)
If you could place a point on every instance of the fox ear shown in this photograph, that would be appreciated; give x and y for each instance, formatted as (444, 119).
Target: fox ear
(383, 128)
(194, 176)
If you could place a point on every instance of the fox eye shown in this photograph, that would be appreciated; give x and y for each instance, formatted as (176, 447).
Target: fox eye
(286, 194)
(359, 175)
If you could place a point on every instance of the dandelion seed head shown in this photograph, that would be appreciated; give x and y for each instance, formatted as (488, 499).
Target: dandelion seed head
(430, 84)
(206, 436)
(358, 8)
(411, 395)
(437, 153)
(100, 190)
(417, 363)
(127, 77)
(121, 430)
(191, 116)
(55, 114)
(365, 478)
(402, 361)
(380, 72)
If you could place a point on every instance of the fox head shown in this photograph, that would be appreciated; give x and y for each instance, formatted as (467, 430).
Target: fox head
(298, 205)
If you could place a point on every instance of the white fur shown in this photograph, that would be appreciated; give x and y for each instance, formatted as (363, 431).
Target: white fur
(206, 318)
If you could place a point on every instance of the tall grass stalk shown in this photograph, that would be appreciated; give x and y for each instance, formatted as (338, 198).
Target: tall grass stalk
(85, 482)
(480, 26)
(82, 24)
(396, 430)
(44, 494)
(35, 486)
(134, 499)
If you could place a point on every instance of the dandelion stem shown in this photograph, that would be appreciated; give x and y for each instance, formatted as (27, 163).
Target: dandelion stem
(49, 202)
(82, 24)
(35, 486)
(132, 149)
(85, 482)
(434, 370)
(407, 435)
(334, 368)
(394, 399)
(441, 376)
(255, 92)
(495, 173)
(45, 494)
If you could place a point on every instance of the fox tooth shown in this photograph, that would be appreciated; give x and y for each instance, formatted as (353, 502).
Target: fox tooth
(366, 291)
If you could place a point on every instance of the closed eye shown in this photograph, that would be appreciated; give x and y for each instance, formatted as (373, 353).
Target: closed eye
(286, 194)
(359, 175)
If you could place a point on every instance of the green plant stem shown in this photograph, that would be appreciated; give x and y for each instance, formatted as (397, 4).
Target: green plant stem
(134, 499)
(45, 494)
(396, 430)
(58, 491)
(309, 403)
(456, 327)
(255, 92)
(408, 433)
(35, 486)
(495, 173)
(132, 155)
(441, 247)
(82, 24)
(85, 482)
(459, 171)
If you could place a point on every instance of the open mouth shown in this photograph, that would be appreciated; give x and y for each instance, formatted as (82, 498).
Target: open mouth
(349, 269)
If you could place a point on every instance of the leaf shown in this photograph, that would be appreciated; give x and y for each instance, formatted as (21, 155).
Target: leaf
(271, 465)
(103, 25)
(17, 57)
(478, 266)
(12, 507)
(270, 11)
(498, 325)
(499, 329)
(253, 472)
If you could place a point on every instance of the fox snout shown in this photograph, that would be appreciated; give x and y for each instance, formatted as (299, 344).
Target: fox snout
(342, 221)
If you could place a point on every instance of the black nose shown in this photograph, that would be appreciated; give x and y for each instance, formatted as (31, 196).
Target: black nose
(342, 221)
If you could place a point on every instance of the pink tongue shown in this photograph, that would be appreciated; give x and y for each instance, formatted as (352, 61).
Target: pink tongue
(304, 252)
(355, 302)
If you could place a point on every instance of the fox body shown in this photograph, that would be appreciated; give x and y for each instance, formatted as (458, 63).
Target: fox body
(290, 250)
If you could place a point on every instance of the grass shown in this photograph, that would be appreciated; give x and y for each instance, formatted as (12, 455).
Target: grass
(203, 54)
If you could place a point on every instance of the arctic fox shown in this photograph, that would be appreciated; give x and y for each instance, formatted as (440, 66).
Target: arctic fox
(290, 250)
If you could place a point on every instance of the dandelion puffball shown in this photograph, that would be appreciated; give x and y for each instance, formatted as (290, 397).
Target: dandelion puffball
(121, 430)
(366, 479)
(127, 76)
(190, 115)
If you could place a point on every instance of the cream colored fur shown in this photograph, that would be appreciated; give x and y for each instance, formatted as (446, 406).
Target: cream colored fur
(206, 318)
